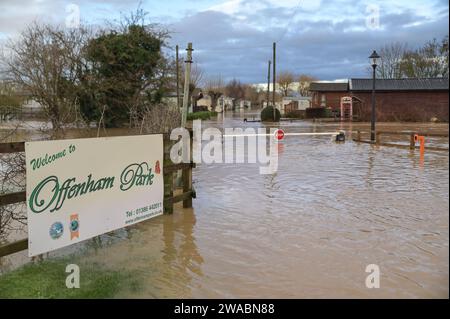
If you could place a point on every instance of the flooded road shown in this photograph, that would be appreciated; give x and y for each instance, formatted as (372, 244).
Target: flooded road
(307, 231)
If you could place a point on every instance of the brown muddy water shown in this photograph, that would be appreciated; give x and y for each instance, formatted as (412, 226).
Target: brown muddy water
(307, 231)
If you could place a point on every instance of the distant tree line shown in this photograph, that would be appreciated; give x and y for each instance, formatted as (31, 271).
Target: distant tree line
(10, 101)
(216, 87)
(428, 61)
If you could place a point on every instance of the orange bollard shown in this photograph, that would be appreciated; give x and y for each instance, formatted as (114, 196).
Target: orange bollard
(421, 140)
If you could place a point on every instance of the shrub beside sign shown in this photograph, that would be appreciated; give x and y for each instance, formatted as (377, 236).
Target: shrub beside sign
(79, 189)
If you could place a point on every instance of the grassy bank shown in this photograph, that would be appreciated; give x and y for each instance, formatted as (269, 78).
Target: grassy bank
(47, 279)
(201, 115)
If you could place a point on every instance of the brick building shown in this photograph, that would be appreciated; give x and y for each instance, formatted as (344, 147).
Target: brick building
(328, 94)
(396, 99)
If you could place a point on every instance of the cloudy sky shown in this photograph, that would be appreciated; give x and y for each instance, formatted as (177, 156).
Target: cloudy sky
(233, 38)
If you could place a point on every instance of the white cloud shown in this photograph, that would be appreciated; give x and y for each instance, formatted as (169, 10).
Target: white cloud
(328, 39)
(232, 7)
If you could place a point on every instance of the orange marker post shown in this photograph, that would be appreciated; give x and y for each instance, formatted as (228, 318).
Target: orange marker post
(421, 140)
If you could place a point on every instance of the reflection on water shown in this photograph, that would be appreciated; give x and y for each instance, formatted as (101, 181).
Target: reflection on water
(309, 230)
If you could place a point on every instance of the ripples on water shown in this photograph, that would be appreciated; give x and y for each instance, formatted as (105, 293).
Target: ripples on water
(307, 231)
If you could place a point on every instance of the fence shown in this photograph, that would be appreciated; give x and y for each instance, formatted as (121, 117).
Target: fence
(412, 143)
(169, 198)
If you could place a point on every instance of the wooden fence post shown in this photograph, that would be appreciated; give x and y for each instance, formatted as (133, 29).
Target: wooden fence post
(168, 170)
(358, 135)
(187, 174)
(412, 142)
(378, 138)
(168, 178)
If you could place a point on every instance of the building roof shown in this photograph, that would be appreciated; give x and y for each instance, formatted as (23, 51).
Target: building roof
(415, 84)
(329, 86)
(297, 98)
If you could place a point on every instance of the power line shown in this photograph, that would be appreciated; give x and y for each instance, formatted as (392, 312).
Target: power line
(297, 8)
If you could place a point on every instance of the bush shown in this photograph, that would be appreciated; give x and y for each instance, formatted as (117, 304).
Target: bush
(200, 115)
(295, 114)
(318, 112)
(267, 114)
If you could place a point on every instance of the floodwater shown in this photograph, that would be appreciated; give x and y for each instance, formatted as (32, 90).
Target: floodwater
(307, 231)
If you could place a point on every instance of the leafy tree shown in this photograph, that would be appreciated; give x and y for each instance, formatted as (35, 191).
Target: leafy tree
(124, 67)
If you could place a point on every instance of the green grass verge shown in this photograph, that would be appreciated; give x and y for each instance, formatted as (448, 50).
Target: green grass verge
(200, 115)
(47, 279)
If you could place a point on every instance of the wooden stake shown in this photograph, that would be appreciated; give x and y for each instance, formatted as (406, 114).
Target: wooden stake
(187, 77)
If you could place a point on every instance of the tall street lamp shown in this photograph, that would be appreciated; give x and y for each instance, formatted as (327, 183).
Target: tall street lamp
(373, 58)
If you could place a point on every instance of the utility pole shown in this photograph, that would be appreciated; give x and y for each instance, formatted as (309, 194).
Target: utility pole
(274, 78)
(268, 85)
(178, 78)
(187, 77)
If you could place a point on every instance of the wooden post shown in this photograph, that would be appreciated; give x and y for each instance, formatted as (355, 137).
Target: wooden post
(169, 199)
(358, 135)
(187, 176)
(378, 138)
(412, 142)
(187, 186)
(14, 247)
(187, 77)
(168, 178)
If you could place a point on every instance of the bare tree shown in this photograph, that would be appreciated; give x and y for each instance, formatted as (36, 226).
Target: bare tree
(285, 80)
(195, 80)
(429, 61)
(215, 88)
(159, 119)
(196, 75)
(10, 100)
(12, 179)
(397, 61)
(236, 90)
(44, 63)
(251, 93)
(304, 81)
(390, 61)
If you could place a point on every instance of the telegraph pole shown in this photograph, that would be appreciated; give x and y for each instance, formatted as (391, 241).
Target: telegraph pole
(187, 77)
(274, 78)
(268, 85)
(178, 78)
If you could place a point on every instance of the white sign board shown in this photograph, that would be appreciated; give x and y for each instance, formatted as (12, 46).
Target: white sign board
(78, 189)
